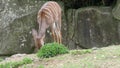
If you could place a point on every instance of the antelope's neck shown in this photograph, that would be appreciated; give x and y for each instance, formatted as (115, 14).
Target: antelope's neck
(42, 28)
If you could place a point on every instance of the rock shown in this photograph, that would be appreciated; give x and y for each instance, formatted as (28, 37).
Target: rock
(116, 9)
(71, 20)
(92, 27)
(17, 18)
(15, 56)
(116, 14)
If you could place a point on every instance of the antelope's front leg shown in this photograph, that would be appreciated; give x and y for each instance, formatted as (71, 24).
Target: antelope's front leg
(56, 34)
(53, 34)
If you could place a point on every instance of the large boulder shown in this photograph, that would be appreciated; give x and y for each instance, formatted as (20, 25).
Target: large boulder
(92, 27)
(116, 14)
(17, 18)
(116, 10)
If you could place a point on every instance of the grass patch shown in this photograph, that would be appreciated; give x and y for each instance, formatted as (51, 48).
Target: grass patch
(52, 49)
(1, 59)
(41, 66)
(27, 60)
(80, 52)
(79, 65)
(16, 64)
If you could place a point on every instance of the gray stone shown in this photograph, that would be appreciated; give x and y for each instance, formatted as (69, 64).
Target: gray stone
(116, 10)
(92, 27)
(17, 18)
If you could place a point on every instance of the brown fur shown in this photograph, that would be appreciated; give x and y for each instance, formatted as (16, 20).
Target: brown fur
(48, 16)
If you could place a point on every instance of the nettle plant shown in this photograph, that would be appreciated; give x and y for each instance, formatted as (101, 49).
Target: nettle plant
(52, 49)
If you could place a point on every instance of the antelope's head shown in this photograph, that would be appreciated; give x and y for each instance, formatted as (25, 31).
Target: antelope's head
(39, 41)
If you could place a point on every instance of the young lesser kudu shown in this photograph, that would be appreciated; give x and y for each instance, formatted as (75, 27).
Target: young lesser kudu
(48, 16)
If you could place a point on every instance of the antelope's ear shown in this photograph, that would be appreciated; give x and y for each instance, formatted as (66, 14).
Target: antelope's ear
(42, 42)
(34, 33)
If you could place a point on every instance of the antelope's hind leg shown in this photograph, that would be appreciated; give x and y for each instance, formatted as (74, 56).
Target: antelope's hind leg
(53, 34)
(60, 37)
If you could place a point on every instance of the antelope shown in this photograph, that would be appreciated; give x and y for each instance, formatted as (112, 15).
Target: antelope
(48, 16)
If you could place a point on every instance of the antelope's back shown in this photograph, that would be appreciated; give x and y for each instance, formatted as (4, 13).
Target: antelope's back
(49, 10)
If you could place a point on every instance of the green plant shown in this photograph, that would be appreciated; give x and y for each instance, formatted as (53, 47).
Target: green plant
(52, 49)
(16, 64)
(27, 60)
(1, 59)
(41, 66)
(75, 52)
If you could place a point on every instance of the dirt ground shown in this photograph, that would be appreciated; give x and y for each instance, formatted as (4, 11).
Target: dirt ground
(107, 57)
